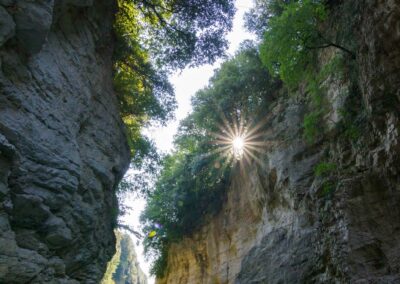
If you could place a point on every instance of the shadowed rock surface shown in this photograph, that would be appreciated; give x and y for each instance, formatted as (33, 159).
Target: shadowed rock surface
(62, 144)
(281, 223)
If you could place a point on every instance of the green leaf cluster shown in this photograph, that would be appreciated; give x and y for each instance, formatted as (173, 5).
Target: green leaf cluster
(185, 32)
(290, 40)
(143, 92)
(324, 169)
(328, 172)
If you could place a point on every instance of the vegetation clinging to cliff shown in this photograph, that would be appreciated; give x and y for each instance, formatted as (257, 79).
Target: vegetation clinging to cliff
(292, 38)
(293, 35)
(195, 178)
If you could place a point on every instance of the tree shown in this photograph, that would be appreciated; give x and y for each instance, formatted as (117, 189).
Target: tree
(291, 38)
(256, 20)
(152, 38)
(181, 32)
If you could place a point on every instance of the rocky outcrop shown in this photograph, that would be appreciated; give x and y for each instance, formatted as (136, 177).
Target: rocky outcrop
(62, 144)
(283, 223)
(124, 266)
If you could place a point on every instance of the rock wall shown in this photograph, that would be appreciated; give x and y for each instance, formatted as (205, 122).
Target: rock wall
(62, 144)
(281, 223)
(124, 266)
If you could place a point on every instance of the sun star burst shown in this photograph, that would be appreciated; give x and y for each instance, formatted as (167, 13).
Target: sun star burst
(238, 146)
(240, 142)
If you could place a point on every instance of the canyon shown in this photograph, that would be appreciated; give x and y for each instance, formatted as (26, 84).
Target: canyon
(63, 151)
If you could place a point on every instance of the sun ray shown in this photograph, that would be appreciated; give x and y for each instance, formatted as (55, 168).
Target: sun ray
(255, 158)
(226, 123)
(259, 125)
(257, 143)
(256, 135)
(222, 137)
(227, 130)
(241, 143)
(241, 125)
(257, 149)
(246, 157)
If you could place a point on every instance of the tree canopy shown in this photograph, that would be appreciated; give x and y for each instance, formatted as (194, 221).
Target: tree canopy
(182, 32)
(290, 40)
(154, 37)
(292, 34)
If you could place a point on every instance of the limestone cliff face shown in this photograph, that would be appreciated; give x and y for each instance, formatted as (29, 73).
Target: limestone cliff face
(124, 266)
(62, 144)
(279, 223)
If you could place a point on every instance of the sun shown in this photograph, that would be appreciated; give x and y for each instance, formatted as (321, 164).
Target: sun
(238, 146)
(240, 141)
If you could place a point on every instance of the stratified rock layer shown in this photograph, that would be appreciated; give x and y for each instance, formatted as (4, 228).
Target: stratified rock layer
(62, 144)
(284, 224)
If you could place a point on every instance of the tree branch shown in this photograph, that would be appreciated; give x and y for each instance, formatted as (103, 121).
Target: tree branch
(129, 229)
(332, 44)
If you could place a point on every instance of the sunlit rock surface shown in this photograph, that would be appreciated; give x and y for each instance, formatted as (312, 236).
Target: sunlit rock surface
(62, 145)
(124, 266)
(279, 225)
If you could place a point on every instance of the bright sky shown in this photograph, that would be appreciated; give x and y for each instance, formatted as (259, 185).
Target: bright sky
(186, 83)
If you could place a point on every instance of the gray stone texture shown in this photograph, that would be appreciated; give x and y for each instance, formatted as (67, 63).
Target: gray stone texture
(7, 26)
(62, 143)
(351, 235)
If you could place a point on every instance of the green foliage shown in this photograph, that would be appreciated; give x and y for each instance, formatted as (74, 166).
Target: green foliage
(328, 188)
(316, 90)
(292, 33)
(185, 32)
(324, 169)
(152, 38)
(160, 263)
(257, 19)
(328, 173)
(350, 125)
(194, 179)
(288, 48)
(144, 94)
(292, 36)
(312, 125)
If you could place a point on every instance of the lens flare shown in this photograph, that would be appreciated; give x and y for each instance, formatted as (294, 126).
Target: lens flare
(241, 141)
(238, 146)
